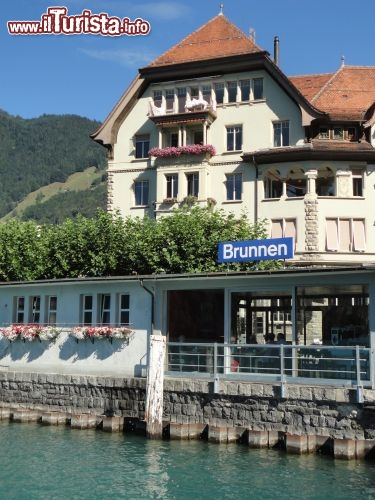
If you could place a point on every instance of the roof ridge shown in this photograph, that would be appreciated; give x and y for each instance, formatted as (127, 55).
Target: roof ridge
(310, 74)
(218, 32)
(334, 75)
(180, 42)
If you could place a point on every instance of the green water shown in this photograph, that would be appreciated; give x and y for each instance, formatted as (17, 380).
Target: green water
(53, 463)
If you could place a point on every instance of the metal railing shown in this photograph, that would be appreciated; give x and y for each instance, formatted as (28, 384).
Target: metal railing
(341, 365)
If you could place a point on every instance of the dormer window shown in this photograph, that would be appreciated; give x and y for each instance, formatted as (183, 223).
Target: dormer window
(219, 92)
(337, 133)
(323, 133)
(169, 100)
(232, 91)
(258, 88)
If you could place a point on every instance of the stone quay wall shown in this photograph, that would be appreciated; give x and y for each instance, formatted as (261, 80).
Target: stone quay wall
(307, 418)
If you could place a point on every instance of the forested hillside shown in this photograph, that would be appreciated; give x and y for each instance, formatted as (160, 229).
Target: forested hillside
(41, 151)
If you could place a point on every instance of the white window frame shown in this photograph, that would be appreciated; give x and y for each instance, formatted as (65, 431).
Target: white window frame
(87, 310)
(144, 141)
(104, 308)
(236, 131)
(235, 195)
(51, 309)
(123, 310)
(35, 309)
(280, 126)
(171, 186)
(142, 183)
(356, 238)
(19, 309)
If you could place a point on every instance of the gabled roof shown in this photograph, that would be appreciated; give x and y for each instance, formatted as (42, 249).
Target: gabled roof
(218, 38)
(346, 94)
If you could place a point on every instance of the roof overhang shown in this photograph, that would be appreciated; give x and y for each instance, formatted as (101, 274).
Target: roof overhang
(306, 153)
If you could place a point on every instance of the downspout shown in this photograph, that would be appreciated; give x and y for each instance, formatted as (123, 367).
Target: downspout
(256, 191)
(152, 294)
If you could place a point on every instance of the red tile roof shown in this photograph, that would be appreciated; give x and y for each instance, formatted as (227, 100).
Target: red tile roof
(217, 38)
(346, 94)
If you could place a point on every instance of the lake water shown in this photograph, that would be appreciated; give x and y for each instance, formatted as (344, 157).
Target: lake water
(53, 463)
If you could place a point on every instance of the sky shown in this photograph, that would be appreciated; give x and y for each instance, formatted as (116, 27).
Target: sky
(86, 74)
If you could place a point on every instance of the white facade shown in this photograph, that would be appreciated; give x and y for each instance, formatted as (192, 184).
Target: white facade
(303, 161)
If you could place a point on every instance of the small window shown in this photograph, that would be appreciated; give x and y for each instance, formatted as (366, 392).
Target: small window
(232, 91)
(281, 134)
(141, 191)
(34, 316)
(234, 187)
(234, 138)
(194, 92)
(124, 309)
(51, 310)
(158, 97)
(273, 185)
(198, 137)
(206, 93)
(357, 180)
(192, 184)
(345, 235)
(284, 228)
(258, 88)
(142, 146)
(19, 310)
(245, 90)
(323, 133)
(105, 309)
(87, 310)
(338, 133)
(169, 100)
(181, 98)
(351, 134)
(173, 139)
(219, 92)
(172, 185)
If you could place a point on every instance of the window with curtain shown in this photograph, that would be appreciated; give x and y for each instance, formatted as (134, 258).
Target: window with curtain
(345, 235)
(234, 187)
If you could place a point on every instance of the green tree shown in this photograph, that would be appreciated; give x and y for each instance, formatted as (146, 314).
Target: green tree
(108, 245)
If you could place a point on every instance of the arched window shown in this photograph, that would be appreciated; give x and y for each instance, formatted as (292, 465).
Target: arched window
(325, 182)
(273, 185)
(296, 183)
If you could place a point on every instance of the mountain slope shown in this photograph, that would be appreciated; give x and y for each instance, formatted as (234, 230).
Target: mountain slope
(43, 151)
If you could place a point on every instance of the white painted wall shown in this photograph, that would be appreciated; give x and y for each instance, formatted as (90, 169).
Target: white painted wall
(65, 355)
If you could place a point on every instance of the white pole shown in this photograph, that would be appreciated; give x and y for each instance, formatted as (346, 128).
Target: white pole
(154, 387)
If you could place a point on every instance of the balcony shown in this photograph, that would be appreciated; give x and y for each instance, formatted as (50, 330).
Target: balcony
(191, 154)
(195, 111)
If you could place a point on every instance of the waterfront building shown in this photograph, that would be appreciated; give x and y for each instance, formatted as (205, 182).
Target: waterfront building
(322, 318)
(214, 121)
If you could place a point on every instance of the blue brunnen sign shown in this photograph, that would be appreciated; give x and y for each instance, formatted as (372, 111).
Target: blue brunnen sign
(240, 251)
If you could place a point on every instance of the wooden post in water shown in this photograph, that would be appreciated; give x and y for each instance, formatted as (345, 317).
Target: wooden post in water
(154, 387)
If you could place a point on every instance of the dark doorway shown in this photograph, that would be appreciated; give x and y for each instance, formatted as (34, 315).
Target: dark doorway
(196, 315)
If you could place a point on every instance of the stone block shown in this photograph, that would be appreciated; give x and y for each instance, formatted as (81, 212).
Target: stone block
(217, 434)
(24, 415)
(197, 430)
(297, 444)
(178, 431)
(235, 434)
(53, 418)
(275, 438)
(83, 421)
(257, 439)
(112, 424)
(344, 448)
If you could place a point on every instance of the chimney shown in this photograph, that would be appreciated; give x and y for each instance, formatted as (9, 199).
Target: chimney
(276, 50)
